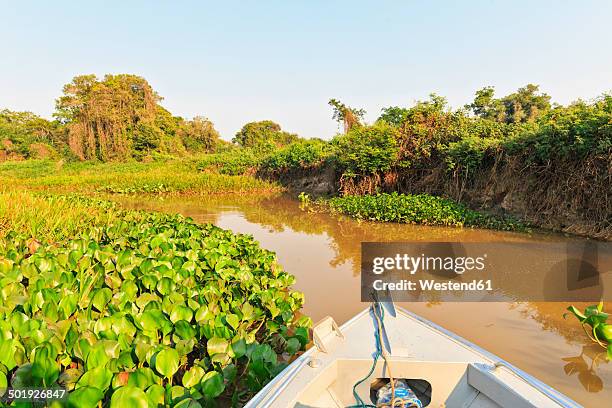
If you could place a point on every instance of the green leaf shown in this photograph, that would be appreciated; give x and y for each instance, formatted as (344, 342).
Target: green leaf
(293, 346)
(156, 395)
(180, 312)
(9, 350)
(212, 384)
(609, 352)
(184, 330)
(142, 378)
(101, 298)
(45, 367)
(239, 347)
(99, 377)
(193, 376)
(129, 397)
(3, 383)
(85, 397)
(167, 362)
(97, 356)
(229, 373)
(217, 345)
(188, 403)
(233, 320)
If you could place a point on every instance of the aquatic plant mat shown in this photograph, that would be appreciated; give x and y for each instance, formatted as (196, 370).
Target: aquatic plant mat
(131, 308)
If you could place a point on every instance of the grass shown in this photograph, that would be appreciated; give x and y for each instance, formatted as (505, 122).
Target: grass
(51, 218)
(168, 176)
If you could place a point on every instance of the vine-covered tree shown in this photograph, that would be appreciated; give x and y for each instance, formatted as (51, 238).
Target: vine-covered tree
(198, 134)
(345, 115)
(107, 118)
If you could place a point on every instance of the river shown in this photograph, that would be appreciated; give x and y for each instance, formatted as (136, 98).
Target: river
(323, 252)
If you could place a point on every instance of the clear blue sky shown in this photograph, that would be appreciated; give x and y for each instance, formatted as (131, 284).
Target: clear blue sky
(236, 62)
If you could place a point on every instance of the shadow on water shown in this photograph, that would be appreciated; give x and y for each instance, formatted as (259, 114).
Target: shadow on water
(323, 252)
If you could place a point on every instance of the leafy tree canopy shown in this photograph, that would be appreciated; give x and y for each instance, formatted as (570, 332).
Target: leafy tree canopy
(523, 106)
(265, 132)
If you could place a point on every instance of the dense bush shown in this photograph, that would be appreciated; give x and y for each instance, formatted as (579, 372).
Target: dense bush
(367, 149)
(264, 132)
(416, 209)
(145, 309)
(298, 155)
(233, 161)
(19, 131)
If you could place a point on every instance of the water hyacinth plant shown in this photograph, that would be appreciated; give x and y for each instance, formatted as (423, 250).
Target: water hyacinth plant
(594, 323)
(416, 209)
(146, 310)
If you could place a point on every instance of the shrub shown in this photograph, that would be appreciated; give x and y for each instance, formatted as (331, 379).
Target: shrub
(235, 161)
(298, 155)
(264, 132)
(367, 149)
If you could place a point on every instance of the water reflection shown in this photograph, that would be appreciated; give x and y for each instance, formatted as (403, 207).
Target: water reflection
(585, 366)
(323, 252)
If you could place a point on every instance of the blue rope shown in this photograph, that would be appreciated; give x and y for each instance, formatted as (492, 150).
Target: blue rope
(377, 309)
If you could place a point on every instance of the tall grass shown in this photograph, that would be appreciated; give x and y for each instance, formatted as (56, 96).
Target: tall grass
(178, 176)
(51, 218)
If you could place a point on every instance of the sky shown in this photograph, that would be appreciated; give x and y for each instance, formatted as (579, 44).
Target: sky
(236, 62)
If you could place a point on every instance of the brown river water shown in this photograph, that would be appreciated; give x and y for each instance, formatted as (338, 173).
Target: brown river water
(323, 252)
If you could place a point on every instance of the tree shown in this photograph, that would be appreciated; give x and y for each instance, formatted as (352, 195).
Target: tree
(263, 132)
(105, 118)
(525, 105)
(345, 115)
(20, 130)
(394, 115)
(198, 134)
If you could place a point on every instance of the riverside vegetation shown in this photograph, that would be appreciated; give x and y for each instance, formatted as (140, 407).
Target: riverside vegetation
(520, 155)
(127, 308)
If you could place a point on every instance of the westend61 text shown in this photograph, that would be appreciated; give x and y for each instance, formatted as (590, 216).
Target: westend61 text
(429, 284)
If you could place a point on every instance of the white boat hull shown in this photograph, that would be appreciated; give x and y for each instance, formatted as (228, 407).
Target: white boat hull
(460, 373)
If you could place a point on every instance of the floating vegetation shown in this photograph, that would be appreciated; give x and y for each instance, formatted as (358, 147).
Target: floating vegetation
(143, 309)
(413, 209)
(593, 321)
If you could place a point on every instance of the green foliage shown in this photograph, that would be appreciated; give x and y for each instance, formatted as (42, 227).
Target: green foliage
(140, 302)
(575, 131)
(298, 155)
(20, 130)
(367, 149)
(198, 134)
(469, 153)
(525, 105)
(164, 176)
(416, 209)
(233, 161)
(593, 321)
(394, 115)
(265, 132)
(345, 115)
